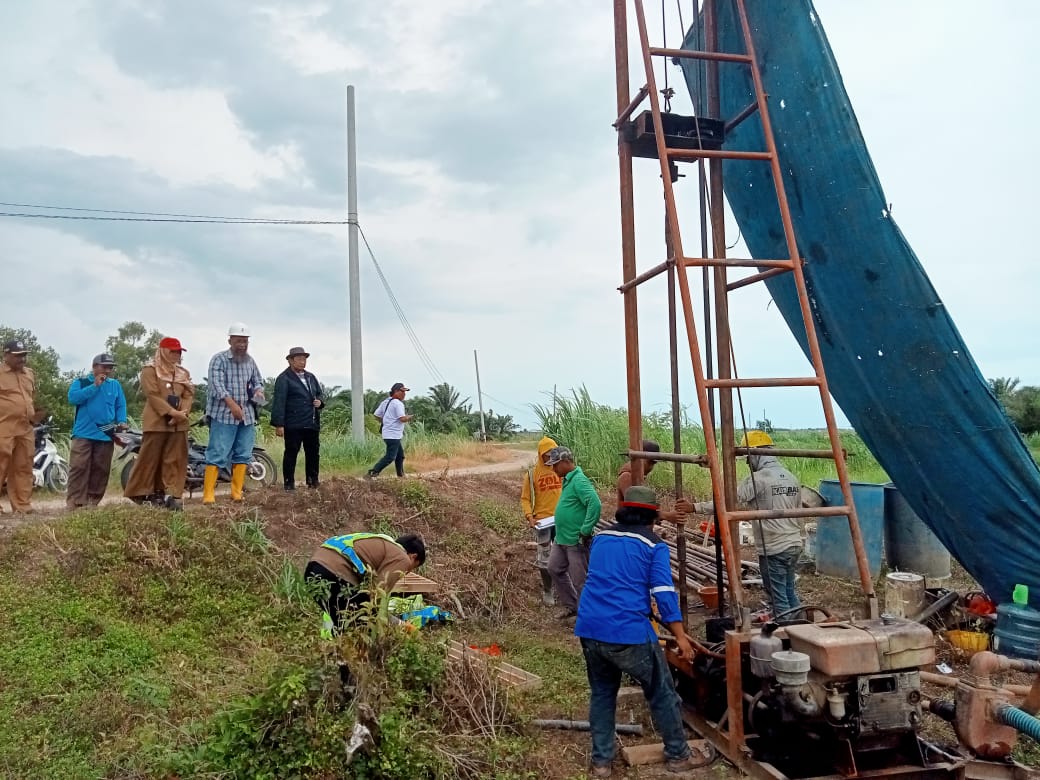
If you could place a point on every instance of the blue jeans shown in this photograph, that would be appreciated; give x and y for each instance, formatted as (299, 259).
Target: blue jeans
(230, 444)
(395, 453)
(780, 582)
(605, 663)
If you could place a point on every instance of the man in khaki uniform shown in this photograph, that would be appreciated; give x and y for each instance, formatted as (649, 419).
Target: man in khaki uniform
(351, 563)
(17, 414)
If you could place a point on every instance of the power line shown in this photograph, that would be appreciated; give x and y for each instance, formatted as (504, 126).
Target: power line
(200, 221)
(503, 403)
(103, 215)
(424, 356)
(193, 217)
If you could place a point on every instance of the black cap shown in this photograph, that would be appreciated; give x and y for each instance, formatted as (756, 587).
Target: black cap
(15, 347)
(104, 359)
(399, 386)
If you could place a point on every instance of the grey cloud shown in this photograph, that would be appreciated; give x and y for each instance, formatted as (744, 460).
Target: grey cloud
(509, 142)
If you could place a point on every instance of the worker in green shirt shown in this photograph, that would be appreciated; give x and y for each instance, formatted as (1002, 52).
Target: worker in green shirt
(577, 513)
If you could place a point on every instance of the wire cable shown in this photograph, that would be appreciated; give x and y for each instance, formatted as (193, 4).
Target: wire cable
(424, 356)
(503, 403)
(164, 214)
(200, 221)
(104, 215)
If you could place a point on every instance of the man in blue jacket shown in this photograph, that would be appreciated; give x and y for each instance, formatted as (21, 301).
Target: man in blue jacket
(100, 410)
(628, 565)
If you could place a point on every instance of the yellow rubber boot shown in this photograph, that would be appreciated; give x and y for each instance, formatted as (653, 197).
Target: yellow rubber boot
(209, 485)
(238, 480)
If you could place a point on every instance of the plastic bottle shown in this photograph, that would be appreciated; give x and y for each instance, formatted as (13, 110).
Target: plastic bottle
(1020, 595)
(1018, 627)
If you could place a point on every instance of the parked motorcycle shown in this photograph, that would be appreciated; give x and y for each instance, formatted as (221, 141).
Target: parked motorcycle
(262, 470)
(50, 469)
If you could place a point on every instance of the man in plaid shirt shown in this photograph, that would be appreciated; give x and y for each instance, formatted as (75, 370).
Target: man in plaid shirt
(235, 390)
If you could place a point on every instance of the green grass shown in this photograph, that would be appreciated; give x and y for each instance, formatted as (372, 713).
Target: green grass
(139, 643)
(503, 519)
(340, 454)
(598, 435)
(122, 625)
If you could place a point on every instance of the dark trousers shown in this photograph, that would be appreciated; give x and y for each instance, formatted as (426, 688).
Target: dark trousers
(343, 597)
(568, 567)
(294, 437)
(394, 453)
(90, 461)
(605, 662)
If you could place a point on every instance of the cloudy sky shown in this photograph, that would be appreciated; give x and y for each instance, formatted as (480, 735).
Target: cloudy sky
(487, 182)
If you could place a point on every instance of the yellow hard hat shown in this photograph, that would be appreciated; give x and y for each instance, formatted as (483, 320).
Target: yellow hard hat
(756, 439)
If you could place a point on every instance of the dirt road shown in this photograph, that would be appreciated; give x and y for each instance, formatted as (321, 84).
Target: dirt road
(518, 461)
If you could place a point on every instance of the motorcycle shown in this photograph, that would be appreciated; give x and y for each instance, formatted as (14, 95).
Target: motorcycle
(50, 469)
(262, 470)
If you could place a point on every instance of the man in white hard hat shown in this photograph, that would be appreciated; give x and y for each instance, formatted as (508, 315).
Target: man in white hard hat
(235, 390)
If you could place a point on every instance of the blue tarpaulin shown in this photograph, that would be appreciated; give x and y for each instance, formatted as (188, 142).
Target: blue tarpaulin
(895, 362)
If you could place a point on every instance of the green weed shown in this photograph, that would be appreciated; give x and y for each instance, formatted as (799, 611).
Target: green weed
(415, 494)
(290, 585)
(501, 519)
(383, 523)
(251, 533)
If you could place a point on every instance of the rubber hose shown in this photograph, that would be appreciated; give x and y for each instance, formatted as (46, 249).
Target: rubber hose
(1019, 720)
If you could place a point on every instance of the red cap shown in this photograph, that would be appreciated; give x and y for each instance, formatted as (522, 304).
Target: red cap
(171, 343)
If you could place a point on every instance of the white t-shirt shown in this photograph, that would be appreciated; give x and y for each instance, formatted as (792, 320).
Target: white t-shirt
(393, 428)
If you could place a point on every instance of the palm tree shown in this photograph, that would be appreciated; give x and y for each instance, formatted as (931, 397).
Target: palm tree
(446, 399)
(1003, 388)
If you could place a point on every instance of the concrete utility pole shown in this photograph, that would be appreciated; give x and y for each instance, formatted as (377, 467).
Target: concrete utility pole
(480, 399)
(357, 381)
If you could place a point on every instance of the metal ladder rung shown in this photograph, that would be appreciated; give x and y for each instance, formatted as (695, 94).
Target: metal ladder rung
(784, 381)
(775, 514)
(685, 54)
(721, 154)
(759, 277)
(790, 452)
(730, 262)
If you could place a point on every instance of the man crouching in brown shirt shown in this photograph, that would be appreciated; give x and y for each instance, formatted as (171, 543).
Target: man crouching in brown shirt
(344, 562)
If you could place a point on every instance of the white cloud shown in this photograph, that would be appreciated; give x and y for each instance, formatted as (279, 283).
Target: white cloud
(71, 95)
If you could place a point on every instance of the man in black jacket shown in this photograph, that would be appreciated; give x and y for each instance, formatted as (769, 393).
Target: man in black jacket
(295, 415)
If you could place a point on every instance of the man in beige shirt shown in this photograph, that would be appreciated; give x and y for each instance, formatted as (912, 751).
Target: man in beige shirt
(352, 563)
(17, 415)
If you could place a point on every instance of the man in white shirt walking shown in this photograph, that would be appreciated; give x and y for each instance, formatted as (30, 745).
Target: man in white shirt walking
(392, 414)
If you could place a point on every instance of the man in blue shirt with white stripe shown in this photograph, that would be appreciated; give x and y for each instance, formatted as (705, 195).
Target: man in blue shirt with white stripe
(100, 408)
(628, 564)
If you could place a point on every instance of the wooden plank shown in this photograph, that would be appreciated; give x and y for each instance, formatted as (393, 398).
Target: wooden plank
(641, 755)
(415, 583)
(511, 675)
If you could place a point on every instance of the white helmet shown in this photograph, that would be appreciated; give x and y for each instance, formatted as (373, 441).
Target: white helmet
(238, 329)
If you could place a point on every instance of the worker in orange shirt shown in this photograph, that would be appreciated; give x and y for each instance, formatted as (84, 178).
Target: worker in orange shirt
(17, 415)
